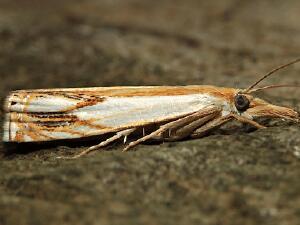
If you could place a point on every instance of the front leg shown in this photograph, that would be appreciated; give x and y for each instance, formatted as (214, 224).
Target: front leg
(245, 120)
(220, 121)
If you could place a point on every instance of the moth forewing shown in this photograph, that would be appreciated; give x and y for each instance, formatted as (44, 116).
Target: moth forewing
(53, 114)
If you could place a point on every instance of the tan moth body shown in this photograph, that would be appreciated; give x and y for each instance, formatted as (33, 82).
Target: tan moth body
(44, 115)
(178, 111)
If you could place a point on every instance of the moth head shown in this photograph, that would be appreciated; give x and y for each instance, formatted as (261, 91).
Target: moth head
(241, 102)
(251, 107)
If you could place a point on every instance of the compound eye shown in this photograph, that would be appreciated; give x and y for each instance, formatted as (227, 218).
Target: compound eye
(241, 102)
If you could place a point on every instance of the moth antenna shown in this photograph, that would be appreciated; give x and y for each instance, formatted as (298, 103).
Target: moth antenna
(272, 86)
(270, 73)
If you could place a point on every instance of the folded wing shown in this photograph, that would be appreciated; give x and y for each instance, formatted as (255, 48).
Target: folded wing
(43, 115)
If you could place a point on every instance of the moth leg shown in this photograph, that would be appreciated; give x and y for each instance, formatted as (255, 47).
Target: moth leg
(168, 126)
(245, 120)
(123, 133)
(220, 121)
(191, 127)
(163, 128)
(144, 133)
(149, 136)
(213, 124)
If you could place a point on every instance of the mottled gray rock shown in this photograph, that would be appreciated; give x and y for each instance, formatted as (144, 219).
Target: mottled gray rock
(232, 177)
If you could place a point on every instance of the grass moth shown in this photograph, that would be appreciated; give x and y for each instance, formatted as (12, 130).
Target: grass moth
(179, 111)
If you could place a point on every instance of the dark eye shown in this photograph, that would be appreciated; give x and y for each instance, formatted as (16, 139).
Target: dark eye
(241, 102)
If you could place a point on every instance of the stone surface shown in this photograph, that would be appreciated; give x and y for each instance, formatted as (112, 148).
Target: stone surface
(238, 177)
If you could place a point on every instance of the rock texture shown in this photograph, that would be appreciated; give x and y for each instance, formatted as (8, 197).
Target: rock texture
(237, 177)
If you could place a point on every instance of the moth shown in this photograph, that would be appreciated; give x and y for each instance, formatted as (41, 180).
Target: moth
(178, 112)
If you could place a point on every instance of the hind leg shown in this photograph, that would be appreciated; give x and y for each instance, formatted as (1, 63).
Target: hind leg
(118, 135)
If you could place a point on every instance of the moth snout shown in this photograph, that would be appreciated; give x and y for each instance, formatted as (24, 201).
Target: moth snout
(274, 111)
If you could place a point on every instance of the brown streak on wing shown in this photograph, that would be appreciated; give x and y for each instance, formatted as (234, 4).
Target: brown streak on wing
(27, 102)
(19, 136)
(85, 103)
(38, 133)
(42, 117)
(88, 123)
(81, 93)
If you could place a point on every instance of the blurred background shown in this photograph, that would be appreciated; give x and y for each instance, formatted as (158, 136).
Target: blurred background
(75, 43)
(246, 179)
